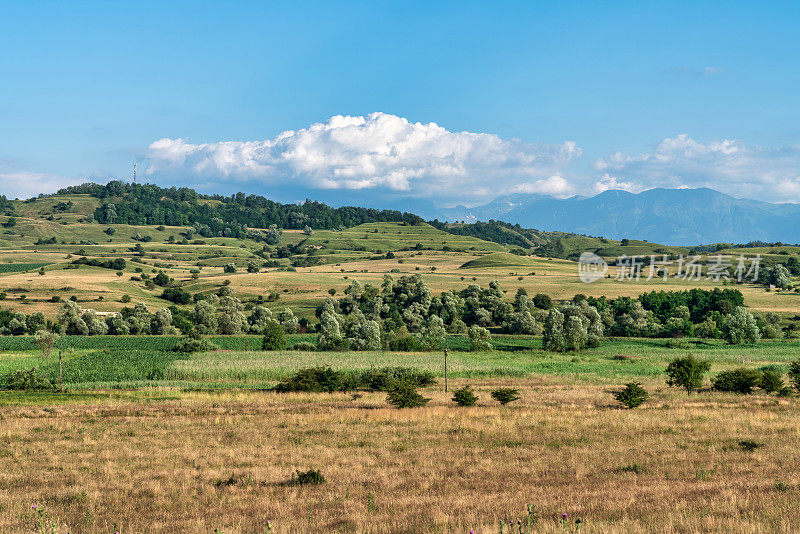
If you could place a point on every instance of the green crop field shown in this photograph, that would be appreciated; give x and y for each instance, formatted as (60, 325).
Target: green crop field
(103, 361)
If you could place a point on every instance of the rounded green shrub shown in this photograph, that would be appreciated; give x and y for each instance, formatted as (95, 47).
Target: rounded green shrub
(505, 395)
(404, 395)
(739, 380)
(465, 396)
(632, 396)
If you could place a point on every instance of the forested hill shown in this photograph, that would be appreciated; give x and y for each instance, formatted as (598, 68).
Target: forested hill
(501, 232)
(240, 215)
(217, 215)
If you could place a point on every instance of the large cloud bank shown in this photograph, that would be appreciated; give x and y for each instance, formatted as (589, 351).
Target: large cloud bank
(378, 152)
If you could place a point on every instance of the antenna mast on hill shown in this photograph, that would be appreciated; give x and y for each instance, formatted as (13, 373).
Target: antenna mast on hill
(134, 173)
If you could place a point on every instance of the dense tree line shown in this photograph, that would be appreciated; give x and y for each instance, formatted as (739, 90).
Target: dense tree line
(404, 314)
(718, 313)
(221, 216)
(496, 231)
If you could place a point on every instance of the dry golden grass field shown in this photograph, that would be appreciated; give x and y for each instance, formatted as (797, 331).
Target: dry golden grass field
(196, 462)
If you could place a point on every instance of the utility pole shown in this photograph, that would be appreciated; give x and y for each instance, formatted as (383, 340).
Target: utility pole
(134, 172)
(60, 373)
(445, 370)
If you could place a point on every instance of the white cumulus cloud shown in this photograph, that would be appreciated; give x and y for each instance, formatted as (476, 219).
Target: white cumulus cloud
(377, 152)
(730, 166)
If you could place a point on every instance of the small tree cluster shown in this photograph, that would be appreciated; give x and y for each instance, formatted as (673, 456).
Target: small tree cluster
(572, 328)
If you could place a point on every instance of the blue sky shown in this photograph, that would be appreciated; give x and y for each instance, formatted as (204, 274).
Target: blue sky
(576, 97)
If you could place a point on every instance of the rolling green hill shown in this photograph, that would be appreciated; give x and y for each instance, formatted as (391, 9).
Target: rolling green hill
(499, 259)
(572, 247)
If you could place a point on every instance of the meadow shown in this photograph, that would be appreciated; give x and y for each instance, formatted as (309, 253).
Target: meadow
(148, 439)
(172, 461)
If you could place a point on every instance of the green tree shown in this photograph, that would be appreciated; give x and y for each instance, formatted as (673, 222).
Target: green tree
(273, 235)
(46, 340)
(330, 333)
(553, 338)
(542, 301)
(741, 327)
(70, 320)
(777, 275)
(794, 374)
(274, 338)
(479, 339)
(687, 372)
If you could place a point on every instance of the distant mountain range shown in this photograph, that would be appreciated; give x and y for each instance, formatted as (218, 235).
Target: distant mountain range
(670, 216)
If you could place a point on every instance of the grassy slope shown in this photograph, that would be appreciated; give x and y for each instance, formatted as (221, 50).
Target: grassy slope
(352, 253)
(609, 248)
(499, 259)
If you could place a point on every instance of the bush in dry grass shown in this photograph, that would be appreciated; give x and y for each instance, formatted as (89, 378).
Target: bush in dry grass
(748, 445)
(632, 396)
(382, 379)
(739, 380)
(404, 395)
(375, 379)
(464, 396)
(771, 379)
(505, 395)
(303, 478)
(687, 373)
(313, 379)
